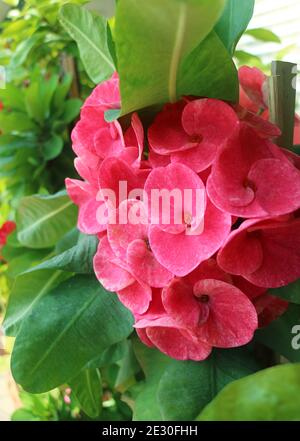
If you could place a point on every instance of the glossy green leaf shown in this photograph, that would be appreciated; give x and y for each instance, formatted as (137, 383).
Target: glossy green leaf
(153, 37)
(78, 259)
(12, 97)
(61, 91)
(90, 33)
(43, 220)
(87, 388)
(53, 147)
(129, 368)
(15, 122)
(27, 290)
(38, 97)
(234, 21)
(270, 395)
(71, 110)
(112, 115)
(80, 320)
(110, 355)
(153, 364)
(290, 292)
(279, 335)
(263, 34)
(25, 260)
(209, 71)
(186, 387)
(23, 50)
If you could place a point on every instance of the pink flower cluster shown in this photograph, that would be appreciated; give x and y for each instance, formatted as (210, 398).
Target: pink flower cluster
(192, 292)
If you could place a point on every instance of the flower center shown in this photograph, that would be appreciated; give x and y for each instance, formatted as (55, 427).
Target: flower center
(196, 139)
(204, 298)
(188, 219)
(250, 184)
(148, 244)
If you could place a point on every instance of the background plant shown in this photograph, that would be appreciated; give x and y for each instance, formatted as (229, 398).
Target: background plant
(69, 332)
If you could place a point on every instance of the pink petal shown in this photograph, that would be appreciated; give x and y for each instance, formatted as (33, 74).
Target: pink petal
(280, 244)
(213, 120)
(123, 231)
(166, 134)
(173, 343)
(182, 253)
(115, 173)
(252, 81)
(157, 160)
(209, 269)
(110, 271)
(106, 95)
(108, 141)
(264, 128)
(248, 176)
(232, 318)
(274, 180)
(198, 158)
(136, 297)
(188, 191)
(181, 304)
(269, 308)
(84, 195)
(244, 255)
(145, 267)
(251, 291)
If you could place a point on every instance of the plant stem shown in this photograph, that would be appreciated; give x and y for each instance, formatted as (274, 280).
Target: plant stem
(283, 100)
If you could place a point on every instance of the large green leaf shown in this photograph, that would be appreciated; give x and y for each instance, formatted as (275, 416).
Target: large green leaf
(53, 147)
(262, 34)
(186, 387)
(43, 220)
(153, 363)
(66, 329)
(279, 334)
(27, 290)
(87, 388)
(78, 259)
(153, 37)
(270, 395)
(209, 71)
(290, 292)
(110, 356)
(38, 97)
(234, 21)
(12, 97)
(90, 33)
(24, 48)
(15, 122)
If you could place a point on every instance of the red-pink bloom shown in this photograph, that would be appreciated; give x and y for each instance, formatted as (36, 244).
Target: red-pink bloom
(265, 252)
(218, 312)
(269, 308)
(180, 247)
(297, 130)
(114, 274)
(171, 339)
(129, 241)
(261, 125)
(253, 178)
(254, 98)
(6, 229)
(198, 312)
(254, 89)
(93, 138)
(192, 133)
(84, 195)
